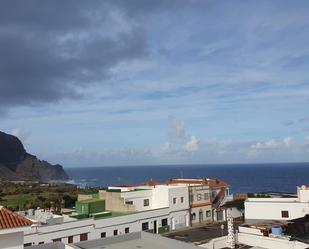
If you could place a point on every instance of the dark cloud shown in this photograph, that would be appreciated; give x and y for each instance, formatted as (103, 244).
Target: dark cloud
(49, 49)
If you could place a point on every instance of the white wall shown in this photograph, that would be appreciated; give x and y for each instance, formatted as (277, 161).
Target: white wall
(272, 210)
(268, 242)
(303, 194)
(12, 240)
(138, 199)
(94, 228)
(216, 243)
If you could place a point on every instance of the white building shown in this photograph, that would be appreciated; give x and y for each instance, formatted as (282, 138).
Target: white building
(278, 208)
(12, 228)
(155, 208)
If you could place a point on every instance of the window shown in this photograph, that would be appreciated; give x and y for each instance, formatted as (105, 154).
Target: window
(83, 237)
(127, 230)
(285, 214)
(174, 200)
(208, 213)
(27, 244)
(145, 226)
(206, 196)
(42, 242)
(182, 199)
(70, 239)
(56, 240)
(146, 202)
(193, 216)
(103, 235)
(115, 232)
(129, 202)
(164, 222)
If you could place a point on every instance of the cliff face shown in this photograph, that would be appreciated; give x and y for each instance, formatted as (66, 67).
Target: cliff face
(17, 164)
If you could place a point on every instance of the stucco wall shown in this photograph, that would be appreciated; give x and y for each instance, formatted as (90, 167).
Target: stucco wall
(12, 241)
(272, 210)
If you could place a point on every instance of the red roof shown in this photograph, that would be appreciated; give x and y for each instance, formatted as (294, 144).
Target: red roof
(9, 219)
(151, 183)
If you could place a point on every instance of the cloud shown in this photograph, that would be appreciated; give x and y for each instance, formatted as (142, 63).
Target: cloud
(21, 133)
(176, 128)
(53, 51)
(287, 141)
(192, 144)
(166, 147)
(270, 144)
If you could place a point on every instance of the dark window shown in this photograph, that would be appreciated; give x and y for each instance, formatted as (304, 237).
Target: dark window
(193, 216)
(285, 214)
(56, 240)
(146, 202)
(42, 242)
(129, 202)
(115, 232)
(174, 200)
(70, 239)
(83, 237)
(103, 235)
(27, 244)
(145, 226)
(127, 230)
(208, 213)
(164, 222)
(182, 199)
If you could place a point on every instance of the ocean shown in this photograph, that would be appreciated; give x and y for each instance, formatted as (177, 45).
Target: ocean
(242, 178)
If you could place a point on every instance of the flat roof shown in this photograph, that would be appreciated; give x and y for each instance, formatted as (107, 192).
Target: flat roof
(141, 240)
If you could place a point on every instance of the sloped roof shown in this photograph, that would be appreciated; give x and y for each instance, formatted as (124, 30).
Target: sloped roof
(9, 219)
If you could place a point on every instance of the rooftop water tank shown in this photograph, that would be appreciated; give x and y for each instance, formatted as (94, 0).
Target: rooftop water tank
(276, 230)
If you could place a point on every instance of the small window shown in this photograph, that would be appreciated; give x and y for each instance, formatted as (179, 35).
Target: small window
(174, 200)
(57, 240)
(285, 214)
(193, 216)
(129, 202)
(103, 235)
(182, 199)
(83, 237)
(127, 230)
(42, 242)
(164, 222)
(146, 202)
(208, 213)
(115, 232)
(27, 244)
(70, 239)
(145, 226)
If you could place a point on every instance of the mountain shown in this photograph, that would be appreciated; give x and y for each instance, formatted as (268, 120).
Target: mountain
(17, 164)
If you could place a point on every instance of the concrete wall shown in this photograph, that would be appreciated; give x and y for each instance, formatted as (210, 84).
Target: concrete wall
(303, 194)
(216, 243)
(268, 242)
(115, 202)
(272, 210)
(81, 197)
(12, 240)
(138, 198)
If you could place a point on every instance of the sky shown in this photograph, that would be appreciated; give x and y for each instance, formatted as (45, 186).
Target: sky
(117, 82)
